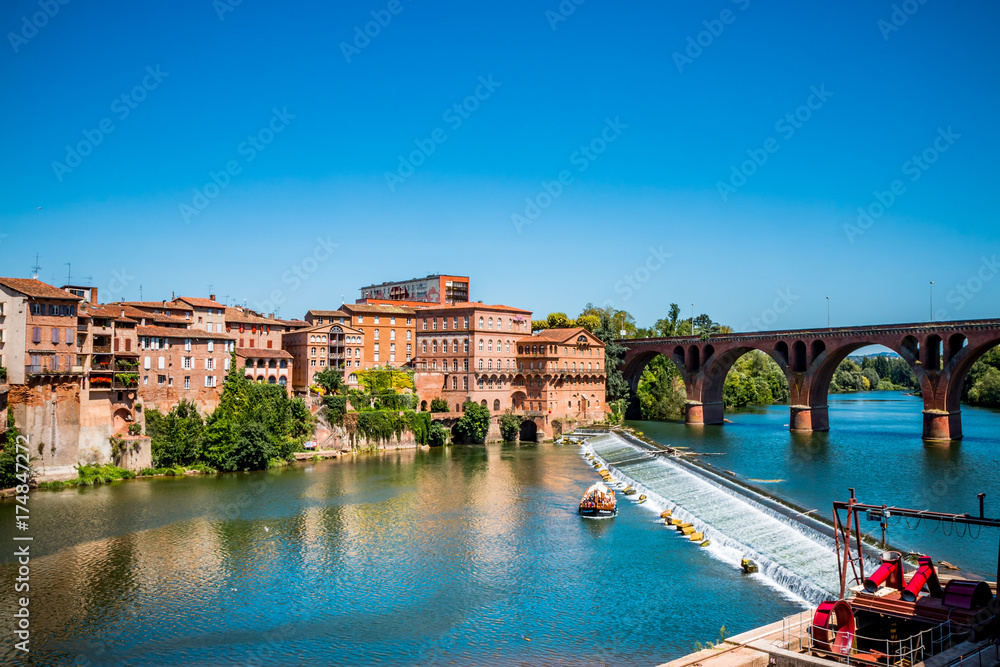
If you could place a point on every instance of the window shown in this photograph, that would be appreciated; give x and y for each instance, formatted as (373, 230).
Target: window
(209, 380)
(187, 381)
(454, 382)
(425, 323)
(187, 344)
(161, 379)
(145, 363)
(376, 334)
(435, 346)
(186, 362)
(36, 309)
(466, 345)
(161, 362)
(434, 324)
(466, 326)
(210, 364)
(392, 334)
(361, 319)
(408, 334)
(466, 366)
(454, 365)
(481, 322)
(375, 356)
(313, 353)
(376, 319)
(211, 346)
(465, 383)
(480, 344)
(456, 321)
(227, 363)
(489, 346)
(496, 405)
(490, 325)
(444, 323)
(480, 364)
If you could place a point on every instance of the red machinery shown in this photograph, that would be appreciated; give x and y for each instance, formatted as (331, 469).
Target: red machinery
(925, 575)
(890, 573)
(833, 627)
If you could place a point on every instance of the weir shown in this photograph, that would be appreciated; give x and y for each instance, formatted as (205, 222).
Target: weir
(792, 555)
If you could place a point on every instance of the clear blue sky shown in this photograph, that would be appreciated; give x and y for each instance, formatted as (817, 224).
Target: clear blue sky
(656, 185)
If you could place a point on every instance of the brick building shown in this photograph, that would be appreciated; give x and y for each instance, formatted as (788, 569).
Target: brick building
(560, 374)
(253, 331)
(473, 346)
(262, 364)
(388, 333)
(316, 348)
(38, 327)
(178, 363)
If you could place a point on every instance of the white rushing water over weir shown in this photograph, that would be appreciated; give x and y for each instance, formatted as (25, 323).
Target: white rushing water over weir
(791, 555)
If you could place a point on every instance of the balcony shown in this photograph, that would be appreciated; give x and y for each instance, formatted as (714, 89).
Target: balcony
(126, 365)
(42, 369)
(82, 327)
(102, 349)
(125, 381)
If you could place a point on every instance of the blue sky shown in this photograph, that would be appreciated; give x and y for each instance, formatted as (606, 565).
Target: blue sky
(310, 119)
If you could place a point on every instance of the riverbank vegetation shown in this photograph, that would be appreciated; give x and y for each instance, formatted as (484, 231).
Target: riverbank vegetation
(381, 410)
(982, 386)
(255, 426)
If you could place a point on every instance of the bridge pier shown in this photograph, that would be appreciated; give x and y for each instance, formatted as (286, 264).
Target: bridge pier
(807, 418)
(696, 412)
(942, 425)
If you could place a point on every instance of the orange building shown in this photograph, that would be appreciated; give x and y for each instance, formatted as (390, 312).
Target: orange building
(388, 333)
(38, 330)
(316, 348)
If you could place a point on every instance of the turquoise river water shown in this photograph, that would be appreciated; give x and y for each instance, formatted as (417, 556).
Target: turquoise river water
(467, 555)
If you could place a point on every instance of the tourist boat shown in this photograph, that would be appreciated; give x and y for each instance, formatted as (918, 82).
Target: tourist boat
(598, 502)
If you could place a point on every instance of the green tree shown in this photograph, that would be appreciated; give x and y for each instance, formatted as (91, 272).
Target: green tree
(176, 437)
(255, 447)
(667, 326)
(437, 436)
(614, 353)
(510, 426)
(559, 321)
(661, 391)
(588, 322)
(439, 405)
(474, 425)
(332, 380)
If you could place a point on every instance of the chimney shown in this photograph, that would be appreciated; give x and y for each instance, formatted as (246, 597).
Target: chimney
(93, 296)
(211, 297)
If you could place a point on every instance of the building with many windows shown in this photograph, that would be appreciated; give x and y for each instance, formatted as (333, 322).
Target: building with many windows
(473, 347)
(316, 348)
(436, 289)
(38, 330)
(560, 373)
(388, 333)
(176, 364)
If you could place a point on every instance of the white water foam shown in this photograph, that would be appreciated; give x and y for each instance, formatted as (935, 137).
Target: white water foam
(792, 557)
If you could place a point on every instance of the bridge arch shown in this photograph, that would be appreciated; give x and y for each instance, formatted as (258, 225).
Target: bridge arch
(940, 354)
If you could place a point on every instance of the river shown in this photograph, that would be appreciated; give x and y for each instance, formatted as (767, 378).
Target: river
(466, 555)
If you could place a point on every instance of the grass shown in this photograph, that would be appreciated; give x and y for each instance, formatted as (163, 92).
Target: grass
(94, 475)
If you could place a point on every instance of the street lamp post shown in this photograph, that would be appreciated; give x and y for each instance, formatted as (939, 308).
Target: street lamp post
(932, 300)
(692, 319)
(827, 312)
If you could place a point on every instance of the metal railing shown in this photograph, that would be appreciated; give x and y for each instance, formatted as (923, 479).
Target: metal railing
(798, 634)
(102, 349)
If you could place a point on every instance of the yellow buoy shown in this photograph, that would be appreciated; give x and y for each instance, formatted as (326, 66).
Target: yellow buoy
(676, 522)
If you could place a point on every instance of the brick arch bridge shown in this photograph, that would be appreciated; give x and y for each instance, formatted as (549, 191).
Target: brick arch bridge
(940, 354)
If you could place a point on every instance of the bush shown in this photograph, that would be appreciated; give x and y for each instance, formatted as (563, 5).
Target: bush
(439, 405)
(135, 429)
(89, 475)
(474, 424)
(3, 374)
(437, 435)
(510, 426)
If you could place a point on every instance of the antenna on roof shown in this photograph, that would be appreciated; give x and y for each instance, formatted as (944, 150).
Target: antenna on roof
(210, 289)
(69, 273)
(89, 279)
(225, 299)
(36, 268)
(140, 292)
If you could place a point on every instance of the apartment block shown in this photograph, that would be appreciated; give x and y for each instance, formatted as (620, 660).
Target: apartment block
(180, 364)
